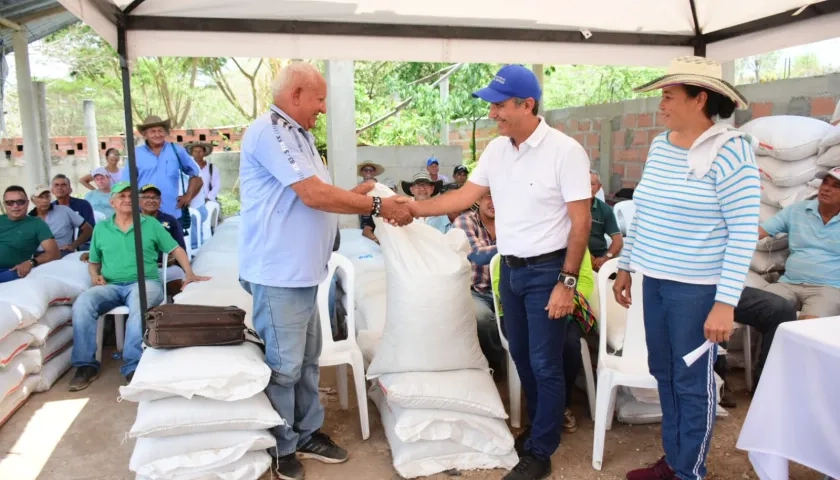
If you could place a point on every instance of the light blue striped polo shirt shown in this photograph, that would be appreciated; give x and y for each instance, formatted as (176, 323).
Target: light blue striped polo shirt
(699, 231)
(814, 246)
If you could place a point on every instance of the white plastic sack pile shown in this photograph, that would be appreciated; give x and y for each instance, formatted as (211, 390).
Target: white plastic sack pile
(55, 318)
(16, 399)
(369, 267)
(24, 301)
(828, 154)
(59, 341)
(202, 414)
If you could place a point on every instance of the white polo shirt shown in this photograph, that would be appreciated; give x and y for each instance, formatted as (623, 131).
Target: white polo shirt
(531, 186)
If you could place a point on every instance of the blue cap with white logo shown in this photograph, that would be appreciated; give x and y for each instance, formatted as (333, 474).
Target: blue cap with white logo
(432, 161)
(512, 81)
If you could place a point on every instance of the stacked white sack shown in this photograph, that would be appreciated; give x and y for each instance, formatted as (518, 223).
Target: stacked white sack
(202, 414)
(35, 336)
(439, 405)
(788, 161)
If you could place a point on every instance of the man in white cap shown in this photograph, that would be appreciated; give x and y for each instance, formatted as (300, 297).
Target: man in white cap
(539, 179)
(63, 221)
(812, 271)
(100, 199)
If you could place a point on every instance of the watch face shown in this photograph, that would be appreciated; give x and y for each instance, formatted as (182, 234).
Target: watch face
(570, 282)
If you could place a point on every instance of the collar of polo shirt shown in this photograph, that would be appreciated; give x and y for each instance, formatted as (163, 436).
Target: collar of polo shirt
(536, 137)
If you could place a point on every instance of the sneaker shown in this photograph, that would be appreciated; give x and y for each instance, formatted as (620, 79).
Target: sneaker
(320, 447)
(84, 376)
(519, 442)
(655, 471)
(529, 468)
(569, 422)
(288, 467)
(727, 400)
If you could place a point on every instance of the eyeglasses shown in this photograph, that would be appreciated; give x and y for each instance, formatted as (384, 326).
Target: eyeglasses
(368, 169)
(15, 203)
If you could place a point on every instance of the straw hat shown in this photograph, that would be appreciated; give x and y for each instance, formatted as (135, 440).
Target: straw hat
(700, 72)
(208, 147)
(379, 168)
(421, 177)
(154, 121)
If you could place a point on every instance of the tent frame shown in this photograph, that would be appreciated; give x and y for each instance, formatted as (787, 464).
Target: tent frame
(125, 21)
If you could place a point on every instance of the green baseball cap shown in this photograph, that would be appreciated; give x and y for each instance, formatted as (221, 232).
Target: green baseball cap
(119, 187)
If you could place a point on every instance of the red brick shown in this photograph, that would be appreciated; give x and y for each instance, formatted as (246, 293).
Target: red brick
(560, 126)
(629, 120)
(763, 109)
(660, 120)
(628, 184)
(640, 137)
(584, 125)
(645, 120)
(652, 133)
(633, 171)
(596, 125)
(594, 154)
(573, 125)
(579, 138)
(823, 106)
(618, 138)
(592, 139)
(618, 168)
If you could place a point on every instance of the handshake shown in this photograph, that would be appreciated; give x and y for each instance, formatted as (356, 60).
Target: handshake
(397, 210)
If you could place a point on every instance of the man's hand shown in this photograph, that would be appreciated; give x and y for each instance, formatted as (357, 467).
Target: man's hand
(598, 262)
(183, 201)
(191, 277)
(97, 280)
(561, 303)
(84, 257)
(23, 268)
(364, 187)
(621, 288)
(395, 211)
(68, 248)
(718, 326)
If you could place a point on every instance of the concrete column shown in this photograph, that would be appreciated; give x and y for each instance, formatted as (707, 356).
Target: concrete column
(90, 132)
(444, 126)
(341, 129)
(539, 71)
(40, 90)
(729, 76)
(34, 170)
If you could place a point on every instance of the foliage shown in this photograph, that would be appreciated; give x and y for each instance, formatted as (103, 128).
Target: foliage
(229, 202)
(576, 85)
(758, 68)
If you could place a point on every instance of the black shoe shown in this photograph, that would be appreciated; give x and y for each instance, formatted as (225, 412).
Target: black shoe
(519, 443)
(84, 376)
(320, 447)
(288, 467)
(530, 468)
(727, 400)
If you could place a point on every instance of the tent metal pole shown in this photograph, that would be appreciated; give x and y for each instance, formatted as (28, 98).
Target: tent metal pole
(132, 170)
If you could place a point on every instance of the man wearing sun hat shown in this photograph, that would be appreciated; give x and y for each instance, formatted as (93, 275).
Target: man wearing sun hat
(539, 179)
(422, 187)
(112, 265)
(370, 170)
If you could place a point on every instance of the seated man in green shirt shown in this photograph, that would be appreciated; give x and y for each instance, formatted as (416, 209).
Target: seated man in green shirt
(603, 224)
(21, 236)
(113, 271)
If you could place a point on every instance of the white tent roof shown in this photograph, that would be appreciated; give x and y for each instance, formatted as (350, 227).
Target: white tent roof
(634, 32)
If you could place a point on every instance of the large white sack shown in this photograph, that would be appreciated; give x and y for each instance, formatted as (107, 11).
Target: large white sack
(782, 197)
(12, 346)
(53, 370)
(424, 458)
(483, 434)
(789, 174)
(55, 318)
(228, 373)
(10, 404)
(368, 342)
(468, 391)
(34, 295)
(165, 458)
(12, 377)
(766, 262)
(10, 317)
(219, 295)
(769, 244)
(370, 284)
(787, 137)
(174, 416)
(59, 341)
(830, 140)
(69, 270)
(250, 467)
(766, 212)
(830, 158)
(633, 412)
(431, 322)
(755, 280)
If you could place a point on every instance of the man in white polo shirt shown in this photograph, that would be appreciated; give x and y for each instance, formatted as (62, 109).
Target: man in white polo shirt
(539, 180)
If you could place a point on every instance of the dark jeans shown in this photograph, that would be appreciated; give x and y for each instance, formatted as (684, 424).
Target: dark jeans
(536, 345)
(8, 275)
(675, 313)
(572, 360)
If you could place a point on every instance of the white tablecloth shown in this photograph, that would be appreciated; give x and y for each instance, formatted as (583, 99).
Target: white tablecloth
(795, 414)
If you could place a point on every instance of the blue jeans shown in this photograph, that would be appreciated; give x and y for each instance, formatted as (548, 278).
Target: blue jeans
(198, 223)
(101, 299)
(7, 275)
(488, 330)
(286, 319)
(675, 313)
(536, 345)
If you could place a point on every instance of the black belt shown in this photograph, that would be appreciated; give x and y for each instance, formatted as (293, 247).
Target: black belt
(517, 262)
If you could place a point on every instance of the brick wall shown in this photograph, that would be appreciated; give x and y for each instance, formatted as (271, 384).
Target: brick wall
(632, 125)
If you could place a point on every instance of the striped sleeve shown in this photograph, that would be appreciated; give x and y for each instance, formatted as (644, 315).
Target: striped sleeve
(738, 191)
(624, 260)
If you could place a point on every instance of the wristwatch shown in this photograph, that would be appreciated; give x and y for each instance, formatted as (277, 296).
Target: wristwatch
(33, 262)
(609, 255)
(567, 280)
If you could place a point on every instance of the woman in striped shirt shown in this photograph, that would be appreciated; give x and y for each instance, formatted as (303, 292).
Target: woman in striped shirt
(692, 239)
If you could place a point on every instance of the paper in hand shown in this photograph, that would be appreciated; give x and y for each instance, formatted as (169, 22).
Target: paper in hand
(698, 352)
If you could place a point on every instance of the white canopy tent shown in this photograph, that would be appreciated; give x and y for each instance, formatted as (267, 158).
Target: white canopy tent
(593, 32)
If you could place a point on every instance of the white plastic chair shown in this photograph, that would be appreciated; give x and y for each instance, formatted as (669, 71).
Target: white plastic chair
(514, 384)
(99, 216)
(624, 213)
(630, 369)
(120, 315)
(212, 219)
(343, 352)
(196, 229)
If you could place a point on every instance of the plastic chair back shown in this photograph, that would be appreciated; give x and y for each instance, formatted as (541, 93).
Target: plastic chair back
(634, 333)
(343, 267)
(624, 213)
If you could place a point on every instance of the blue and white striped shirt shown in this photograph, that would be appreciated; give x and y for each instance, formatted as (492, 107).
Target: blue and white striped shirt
(699, 231)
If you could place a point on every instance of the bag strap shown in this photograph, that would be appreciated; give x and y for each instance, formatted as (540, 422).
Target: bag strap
(210, 186)
(180, 170)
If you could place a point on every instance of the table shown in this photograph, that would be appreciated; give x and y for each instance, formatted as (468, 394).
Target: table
(795, 414)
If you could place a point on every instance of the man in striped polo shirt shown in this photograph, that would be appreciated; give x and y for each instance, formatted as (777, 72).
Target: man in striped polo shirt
(539, 181)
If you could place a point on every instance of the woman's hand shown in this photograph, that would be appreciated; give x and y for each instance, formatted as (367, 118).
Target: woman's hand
(621, 288)
(719, 323)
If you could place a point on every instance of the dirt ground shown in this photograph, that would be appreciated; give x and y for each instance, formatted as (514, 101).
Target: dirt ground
(60, 435)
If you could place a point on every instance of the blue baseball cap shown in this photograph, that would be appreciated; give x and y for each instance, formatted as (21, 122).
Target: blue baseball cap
(432, 161)
(512, 81)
